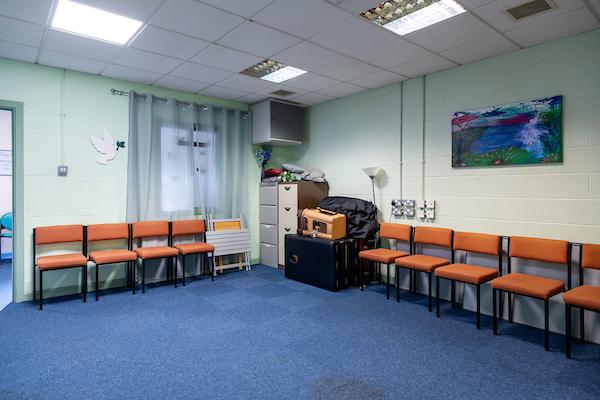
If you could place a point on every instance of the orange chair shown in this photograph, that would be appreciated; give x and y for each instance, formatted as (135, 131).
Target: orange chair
(192, 228)
(537, 287)
(387, 256)
(147, 229)
(472, 274)
(60, 234)
(422, 263)
(101, 232)
(584, 297)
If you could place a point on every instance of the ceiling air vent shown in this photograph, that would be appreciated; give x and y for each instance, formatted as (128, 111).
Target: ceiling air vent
(282, 93)
(529, 9)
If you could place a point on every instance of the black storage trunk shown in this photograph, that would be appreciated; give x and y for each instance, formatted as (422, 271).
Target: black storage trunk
(328, 264)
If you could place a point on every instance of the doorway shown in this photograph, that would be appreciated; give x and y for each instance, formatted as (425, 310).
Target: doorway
(6, 206)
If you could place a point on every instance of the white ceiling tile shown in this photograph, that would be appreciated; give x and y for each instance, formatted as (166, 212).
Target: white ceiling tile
(480, 49)
(391, 53)
(342, 89)
(352, 36)
(422, 66)
(472, 4)
(252, 98)
(71, 62)
(378, 79)
(185, 85)
(136, 9)
(18, 51)
(169, 43)
(244, 8)
(245, 83)
(196, 19)
(223, 92)
(555, 28)
(307, 56)
(346, 69)
(79, 46)
(134, 58)
(358, 6)
(20, 32)
(200, 73)
(301, 18)
(495, 13)
(455, 31)
(257, 39)
(311, 82)
(223, 58)
(311, 99)
(35, 11)
(130, 74)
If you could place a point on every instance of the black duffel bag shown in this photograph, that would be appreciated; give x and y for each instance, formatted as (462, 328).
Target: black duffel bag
(361, 215)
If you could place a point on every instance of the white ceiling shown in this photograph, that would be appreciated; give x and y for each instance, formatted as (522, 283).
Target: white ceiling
(200, 46)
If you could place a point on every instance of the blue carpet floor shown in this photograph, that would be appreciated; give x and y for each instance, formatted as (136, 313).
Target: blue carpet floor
(256, 335)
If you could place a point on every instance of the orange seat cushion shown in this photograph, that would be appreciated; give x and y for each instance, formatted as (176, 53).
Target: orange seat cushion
(61, 261)
(585, 296)
(156, 252)
(194, 248)
(529, 285)
(112, 256)
(385, 256)
(421, 262)
(466, 273)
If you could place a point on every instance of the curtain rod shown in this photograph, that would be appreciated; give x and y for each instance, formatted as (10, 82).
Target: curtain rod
(117, 92)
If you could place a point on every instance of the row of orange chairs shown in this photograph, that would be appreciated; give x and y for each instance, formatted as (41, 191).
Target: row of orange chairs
(584, 297)
(136, 231)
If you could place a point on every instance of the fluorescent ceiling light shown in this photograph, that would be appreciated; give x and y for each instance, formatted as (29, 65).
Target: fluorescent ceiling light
(406, 16)
(93, 23)
(273, 71)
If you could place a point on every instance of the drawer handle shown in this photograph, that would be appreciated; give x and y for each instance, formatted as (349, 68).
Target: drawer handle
(287, 187)
(287, 229)
(294, 259)
(287, 209)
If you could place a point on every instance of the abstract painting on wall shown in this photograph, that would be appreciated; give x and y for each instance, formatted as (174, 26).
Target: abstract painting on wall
(529, 132)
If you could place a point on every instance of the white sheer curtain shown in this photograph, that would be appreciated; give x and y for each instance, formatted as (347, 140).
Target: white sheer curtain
(184, 157)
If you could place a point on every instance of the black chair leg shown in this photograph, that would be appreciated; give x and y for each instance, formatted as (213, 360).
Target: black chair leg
(133, 276)
(212, 268)
(437, 296)
(96, 282)
(495, 323)
(582, 325)
(478, 307)
(546, 327)
(453, 294)
(183, 268)
(41, 296)
(568, 330)
(34, 287)
(175, 259)
(387, 284)
(143, 276)
(429, 292)
(397, 284)
(510, 307)
(84, 283)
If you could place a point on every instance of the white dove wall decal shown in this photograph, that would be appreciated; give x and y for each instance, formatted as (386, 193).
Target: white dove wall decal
(106, 147)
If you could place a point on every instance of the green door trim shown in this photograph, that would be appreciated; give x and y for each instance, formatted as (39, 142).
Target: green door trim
(18, 199)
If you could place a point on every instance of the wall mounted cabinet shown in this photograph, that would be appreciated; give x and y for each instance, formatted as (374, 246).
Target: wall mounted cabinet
(277, 123)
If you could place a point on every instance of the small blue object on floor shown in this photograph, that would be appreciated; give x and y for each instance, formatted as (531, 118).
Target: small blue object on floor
(256, 335)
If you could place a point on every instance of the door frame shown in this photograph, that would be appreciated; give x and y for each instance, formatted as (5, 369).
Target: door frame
(18, 202)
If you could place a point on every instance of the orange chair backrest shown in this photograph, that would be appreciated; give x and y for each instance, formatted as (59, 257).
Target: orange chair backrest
(395, 231)
(436, 236)
(477, 243)
(548, 250)
(188, 227)
(590, 256)
(149, 228)
(107, 232)
(58, 234)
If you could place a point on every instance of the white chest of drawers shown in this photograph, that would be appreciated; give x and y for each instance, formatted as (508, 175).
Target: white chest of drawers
(279, 205)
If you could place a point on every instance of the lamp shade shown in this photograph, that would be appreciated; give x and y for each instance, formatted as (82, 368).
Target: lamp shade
(372, 172)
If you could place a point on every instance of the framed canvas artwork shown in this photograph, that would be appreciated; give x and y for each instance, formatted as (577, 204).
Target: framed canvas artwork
(528, 132)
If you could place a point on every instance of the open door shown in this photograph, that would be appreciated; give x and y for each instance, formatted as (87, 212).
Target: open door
(6, 206)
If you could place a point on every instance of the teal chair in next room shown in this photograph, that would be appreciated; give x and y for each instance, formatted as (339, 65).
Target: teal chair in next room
(6, 229)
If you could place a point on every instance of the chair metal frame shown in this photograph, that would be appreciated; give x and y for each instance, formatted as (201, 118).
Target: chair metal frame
(168, 259)
(203, 260)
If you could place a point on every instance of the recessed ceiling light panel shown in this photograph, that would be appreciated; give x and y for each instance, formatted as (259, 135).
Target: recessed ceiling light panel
(405, 16)
(94, 23)
(273, 71)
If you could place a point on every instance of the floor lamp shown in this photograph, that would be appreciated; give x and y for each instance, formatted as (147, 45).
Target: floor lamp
(372, 173)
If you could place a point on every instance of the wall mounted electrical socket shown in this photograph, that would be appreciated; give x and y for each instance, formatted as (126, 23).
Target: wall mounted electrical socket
(421, 213)
(62, 170)
(403, 208)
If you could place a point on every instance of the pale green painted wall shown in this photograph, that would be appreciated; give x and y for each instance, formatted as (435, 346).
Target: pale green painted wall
(553, 201)
(92, 193)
